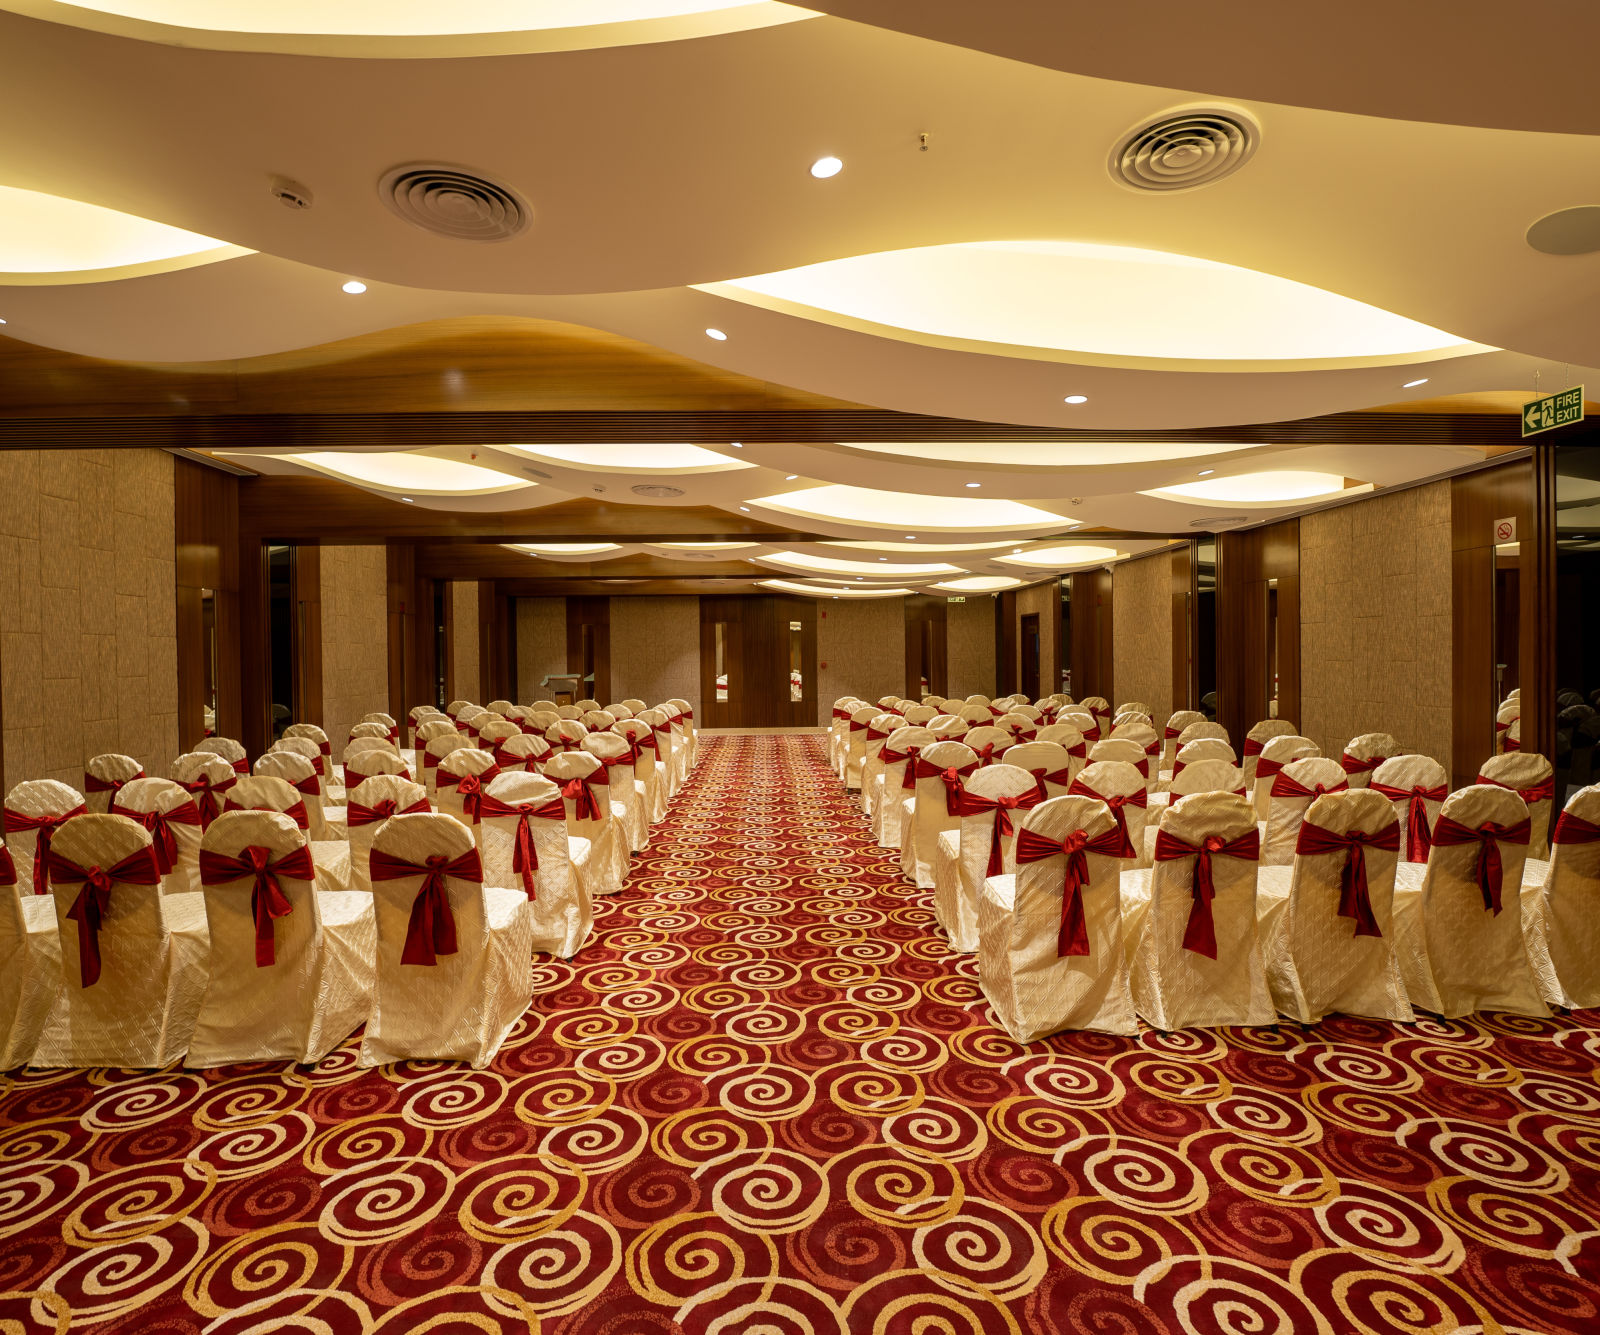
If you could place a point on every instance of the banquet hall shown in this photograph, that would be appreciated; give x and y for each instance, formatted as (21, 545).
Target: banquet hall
(700, 667)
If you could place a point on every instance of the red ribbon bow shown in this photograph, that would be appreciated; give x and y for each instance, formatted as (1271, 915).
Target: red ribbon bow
(94, 784)
(160, 823)
(908, 778)
(310, 785)
(1418, 841)
(1286, 785)
(241, 765)
(267, 900)
(1073, 936)
(1487, 869)
(8, 869)
(1266, 769)
(1252, 747)
(431, 931)
(1540, 792)
(296, 813)
(1042, 776)
(1169, 733)
(971, 804)
(525, 857)
(1355, 901)
(1356, 765)
(470, 787)
(1572, 829)
(1117, 802)
(1200, 933)
(585, 806)
(46, 827)
(205, 794)
(357, 815)
(89, 908)
(985, 754)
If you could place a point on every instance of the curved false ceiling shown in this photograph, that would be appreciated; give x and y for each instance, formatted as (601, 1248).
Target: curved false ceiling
(46, 238)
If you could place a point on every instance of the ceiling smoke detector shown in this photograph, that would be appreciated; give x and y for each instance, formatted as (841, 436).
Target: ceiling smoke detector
(1181, 150)
(1220, 521)
(657, 491)
(449, 201)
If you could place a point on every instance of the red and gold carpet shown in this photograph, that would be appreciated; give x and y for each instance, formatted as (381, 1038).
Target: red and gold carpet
(765, 1098)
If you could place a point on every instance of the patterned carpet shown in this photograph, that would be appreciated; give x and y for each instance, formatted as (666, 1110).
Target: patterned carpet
(767, 1099)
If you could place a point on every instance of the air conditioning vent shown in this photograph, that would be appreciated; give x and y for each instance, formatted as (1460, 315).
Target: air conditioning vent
(448, 201)
(1220, 521)
(657, 491)
(1181, 150)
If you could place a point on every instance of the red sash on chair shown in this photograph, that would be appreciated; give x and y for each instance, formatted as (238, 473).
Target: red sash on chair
(267, 900)
(431, 931)
(45, 828)
(1171, 734)
(296, 813)
(908, 779)
(985, 753)
(1270, 769)
(311, 787)
(1540, 792)
(1354, 765)
(585, 805)
(1418, 841)
(1042, 776)
(971, 804)
(1252, 748)
(525, 857)
(1116, 802)
(160, 823)
(357, 815)
(92, 784)
(1355, 900)
(8, 869)
(1073, 936)
(89, 908)
(470, 787)
(1487, 870)
(1200, 933)
(205, 793)
(950, 776)
(1286, 785)
(240, 766)
(1572, 829)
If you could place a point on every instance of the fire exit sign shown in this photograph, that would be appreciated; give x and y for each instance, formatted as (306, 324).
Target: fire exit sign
(1552, 411)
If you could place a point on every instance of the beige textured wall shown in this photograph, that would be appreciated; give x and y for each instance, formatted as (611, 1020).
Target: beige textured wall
(541, 646)
(655, 649)
(1141, 632)
(355, 637)
(464, 636)
(969, 647)
(88, 610)
(864, 645)
(1040, 598)
(1375, 613)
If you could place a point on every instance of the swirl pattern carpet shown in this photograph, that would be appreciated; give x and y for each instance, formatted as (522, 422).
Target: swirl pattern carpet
(766, 1098)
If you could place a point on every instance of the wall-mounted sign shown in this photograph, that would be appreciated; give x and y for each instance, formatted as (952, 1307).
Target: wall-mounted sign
(1505, 530)
(1552, 411)
(955, 600)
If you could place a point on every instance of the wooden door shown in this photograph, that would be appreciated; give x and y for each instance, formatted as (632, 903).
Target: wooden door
(1029, 653)
(758, 661)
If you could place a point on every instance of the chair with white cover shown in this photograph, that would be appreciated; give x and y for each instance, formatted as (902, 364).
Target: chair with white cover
(526, 847)
(978, 700)
(1065, 734)
(1561, 910)
(172, 816)
(1197, 731)
(855, 752)
(1033, 712)
(661, 735)
(432, 754)
(641, 738)
(1133, 707)
(387, 722)
(34, 810)
(454, 708)
(1294, 788)
(1273, 756)
(1125, 752)
(1050, 947)
(310, 732)
(267, 792)
(1326, 920)
(206, 778)
(1506, 717)
(1365, 753)
(1099, 709)
(1189, 922)
(976, 715)
(871, 761)
(585, 785)
(455, 957)
(1458, 924)
(567, 734)
(370, 728)
(1416, 787)
(1147, 737)
(917, 716)
(364, 765)
(523, 753)
(229, 750)
(1255, 742)
(1121, 787)
(1176, 723)
(1511, 738)
(989, 742)
(1086, 723)
(133, 960)
(469, 719)
(679, 761)
(991, 806)
(459, 783)
(634, 703)
(371, 802)
(1532, 778)
(1202, 748)
(1019, 727)
(291, 965)
(690, 729)
(1050, 763)
(597, 720)
(838, 730)
(500, 707)
(931, 809)
(618, 756)
(900, 750)
(430, 728)
(30, 966)
(103, 777)
(296, 771)
(620, 711)
(944, 727)
(586, 704)
(304, 746)
(1198, 776)
(495, 731)
(419, 715)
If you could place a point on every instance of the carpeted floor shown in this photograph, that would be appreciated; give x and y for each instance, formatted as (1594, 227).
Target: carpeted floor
(767, 1099)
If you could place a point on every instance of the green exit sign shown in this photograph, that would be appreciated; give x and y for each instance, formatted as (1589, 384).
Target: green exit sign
(1552, 411)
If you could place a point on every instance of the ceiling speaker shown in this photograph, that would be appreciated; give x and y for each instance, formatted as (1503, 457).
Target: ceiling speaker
(449, 201)
(1182, 150)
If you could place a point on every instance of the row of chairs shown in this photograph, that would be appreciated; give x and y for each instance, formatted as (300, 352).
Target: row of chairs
(200, 917)
(958, 801)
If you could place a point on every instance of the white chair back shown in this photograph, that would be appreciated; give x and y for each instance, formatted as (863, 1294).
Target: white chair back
(172, 818)
(1531, 777)
(103, 777)
(1416, 787)
(1275, 754)
(1294, 788)
(1365, 753)
(371, 802)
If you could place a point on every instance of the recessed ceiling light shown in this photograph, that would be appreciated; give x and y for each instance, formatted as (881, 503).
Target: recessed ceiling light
(1264, 488)
(883, 558)
(1412, 384)
(745, 508)
(793, 477)
(408, 500)
(823, 168)
(355, 287)
(2, 321)
(736, 445)
(1076, 398)
(974, 484)
(716, 334)
(911, 537)
(1207, 472)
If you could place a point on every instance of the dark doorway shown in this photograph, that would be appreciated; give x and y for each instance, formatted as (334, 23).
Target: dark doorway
(1030, 655)
(758, 662)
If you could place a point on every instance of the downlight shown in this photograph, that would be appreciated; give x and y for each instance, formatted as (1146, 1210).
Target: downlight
(1185, 149)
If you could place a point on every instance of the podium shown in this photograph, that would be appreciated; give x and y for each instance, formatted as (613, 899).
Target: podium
(564, 688)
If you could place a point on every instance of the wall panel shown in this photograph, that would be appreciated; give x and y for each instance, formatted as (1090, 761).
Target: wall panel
(1044, 601)
(655, 650)
(969, 647)
(206, 525)
(541, 646)
(863, 644)
(465, 634)
(355, 637)
(1141, 639)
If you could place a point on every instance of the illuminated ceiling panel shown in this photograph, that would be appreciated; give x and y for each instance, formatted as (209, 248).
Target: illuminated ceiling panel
(1058, 558)
(922, 546)
(42, 233)
(980, 584)
(705, 546)
(829, 565)
(1258, 488)
(401, 471)
(829, 591)
(904, 509)
(564, 548)
(1046, 453)
(632, 458)
(1118, 301)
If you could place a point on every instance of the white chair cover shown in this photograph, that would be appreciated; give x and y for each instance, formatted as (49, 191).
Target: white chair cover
(620, 711)
(1195, 732)
(587, 704)
(172, 816)
(1033, 988)
(310, 732)
(1365, 753)
(30, 967)
(976, 714)
(838, 730)
(927, 812)
(856, 744)
(1256, 739)
(1176, 723)
(461, 776)
(680, 763)
(894, 799)
(1531, 777)
(573, 771)
(962, 855)
(1506, 718)
(454, 708)
(1200, 776)
(500, 707)
(1293, 790)
(449, 1005)
(1121, 787)
(294, 986)
(373, 801)
(496, 731)
(988, 742)
(35, 809)
(872, 763)
(267, 792)
(1260, 770)
(419, 716)
(522, 753)
(1175, 987)
(597, 720)
(1561, 909)
(103, 777)
(153, 955)
(298, 773)
(617, 756)
(1317, 960)
(371, 729)
(1065, 734)
(1416, 786)
(559, 908)
(637, 733)
(946, 727)
(1049, 763)
(1019, 727)
(1120, 750)
(206, 778)
(305, 746)
(435, 751)
(661, 735)
(634, 703)
(1457, 954)
(369, 764)
(229, 750)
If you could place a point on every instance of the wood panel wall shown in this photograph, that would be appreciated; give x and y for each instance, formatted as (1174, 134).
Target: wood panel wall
(927, 629)
(756, 661)
(1093, 661)
(205, 531)
(1185, 688)
(596, 614)
(1245, 563)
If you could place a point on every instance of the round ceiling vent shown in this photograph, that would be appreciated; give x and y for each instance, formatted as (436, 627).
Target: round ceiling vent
(1220, 521)
(657, 491)
(448, 201)
(1180, 150)
(1574, 231)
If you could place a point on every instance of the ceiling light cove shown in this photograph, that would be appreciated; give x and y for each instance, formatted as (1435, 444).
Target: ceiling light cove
(47, 235)
(980, 584)
(823, 168)
(397, 471)
(831, 591)
(1078, 297)
(705, 546)
(881, 509)
(631, 458)
(1060, 558)
(1269, 488)
(829, 565)
(1046, 453)
(564, 548)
